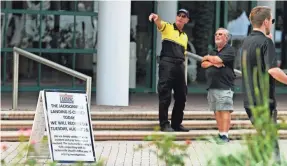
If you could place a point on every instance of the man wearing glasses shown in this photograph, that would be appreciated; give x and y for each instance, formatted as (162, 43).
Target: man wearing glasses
(172, 70)
(261, 20)
(220, 81)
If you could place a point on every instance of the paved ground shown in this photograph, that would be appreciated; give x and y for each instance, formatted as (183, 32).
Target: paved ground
(138, 102)
(122, 153)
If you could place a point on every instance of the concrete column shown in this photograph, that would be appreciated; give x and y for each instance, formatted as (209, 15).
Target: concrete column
(167, 12)
(113, 53)
(272, 5)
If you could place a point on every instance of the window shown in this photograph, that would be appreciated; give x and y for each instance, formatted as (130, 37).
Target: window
(142, 35)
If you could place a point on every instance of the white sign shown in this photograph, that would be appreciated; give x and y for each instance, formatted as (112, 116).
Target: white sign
(68, 124)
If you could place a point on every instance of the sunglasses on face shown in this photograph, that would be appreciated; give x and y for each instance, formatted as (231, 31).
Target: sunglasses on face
(181, 15)
(219, 34)
(273, 21)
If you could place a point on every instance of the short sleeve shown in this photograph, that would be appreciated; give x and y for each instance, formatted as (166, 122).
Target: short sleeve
(227, 55)
(163, 26)
(269, 54)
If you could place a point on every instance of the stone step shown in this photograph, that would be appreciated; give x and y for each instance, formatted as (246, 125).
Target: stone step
(133, 125)
(140, 135)
(132, 115)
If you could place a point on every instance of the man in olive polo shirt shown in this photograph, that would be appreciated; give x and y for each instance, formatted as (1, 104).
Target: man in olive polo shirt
(172, 70)
(261, 20)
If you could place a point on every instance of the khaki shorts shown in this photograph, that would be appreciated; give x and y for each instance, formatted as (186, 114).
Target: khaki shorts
(220, 100)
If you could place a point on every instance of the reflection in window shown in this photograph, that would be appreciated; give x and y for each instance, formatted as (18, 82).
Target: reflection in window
(141, 34)
(84, 64)
(22, 30)
(56, 30)
(3, 23)
(2, 68)
(54, 77)
(3, 3)
(199, 30)
(62, 5)
(86, 6)
(48, 32)
(278, 32)
(238, 25)
(86, 31)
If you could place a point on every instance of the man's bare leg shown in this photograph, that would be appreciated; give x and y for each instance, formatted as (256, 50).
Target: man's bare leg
(223, 119)
(218, 121)
(226, 119)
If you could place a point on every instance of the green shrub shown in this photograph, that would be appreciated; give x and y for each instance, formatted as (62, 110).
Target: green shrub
(167, 150)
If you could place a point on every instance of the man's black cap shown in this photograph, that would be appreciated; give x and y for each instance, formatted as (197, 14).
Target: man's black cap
(183, 11)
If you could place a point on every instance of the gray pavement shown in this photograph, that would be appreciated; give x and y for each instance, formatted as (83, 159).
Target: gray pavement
(137, 102)
(123, 153)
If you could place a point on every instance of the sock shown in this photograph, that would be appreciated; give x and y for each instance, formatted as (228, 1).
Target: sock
(224, 133)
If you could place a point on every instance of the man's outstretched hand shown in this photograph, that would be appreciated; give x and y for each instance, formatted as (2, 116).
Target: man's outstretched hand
(153, 17)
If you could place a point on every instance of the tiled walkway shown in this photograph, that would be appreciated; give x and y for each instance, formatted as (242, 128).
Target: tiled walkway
(122, 153)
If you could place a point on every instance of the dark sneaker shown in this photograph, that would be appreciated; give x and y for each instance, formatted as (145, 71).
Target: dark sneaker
(166, 128)
(180, 128)
(223, 139)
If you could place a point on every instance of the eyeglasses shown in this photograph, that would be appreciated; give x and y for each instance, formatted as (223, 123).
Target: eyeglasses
(181, 15)
(273, 21)
(219, 34)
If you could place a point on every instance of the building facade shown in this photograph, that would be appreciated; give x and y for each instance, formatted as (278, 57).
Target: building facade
(113, 42)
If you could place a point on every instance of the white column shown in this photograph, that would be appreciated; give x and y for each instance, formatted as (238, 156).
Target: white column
(167, 12)
(113, 53)
(272, 5)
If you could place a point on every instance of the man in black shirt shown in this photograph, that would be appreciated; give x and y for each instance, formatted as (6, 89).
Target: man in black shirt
(220, 80)
(261, 20)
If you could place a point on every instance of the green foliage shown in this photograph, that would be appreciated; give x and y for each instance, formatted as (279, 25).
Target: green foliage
(171, 153)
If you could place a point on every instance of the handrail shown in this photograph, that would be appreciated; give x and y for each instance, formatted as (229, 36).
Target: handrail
(18, 51)
(199, 58)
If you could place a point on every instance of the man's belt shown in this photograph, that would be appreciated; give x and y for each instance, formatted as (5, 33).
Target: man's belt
(172, 60)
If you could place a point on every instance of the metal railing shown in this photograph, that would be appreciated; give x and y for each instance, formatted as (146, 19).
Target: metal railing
(88, 79)
(199, 58)
(18, 51)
